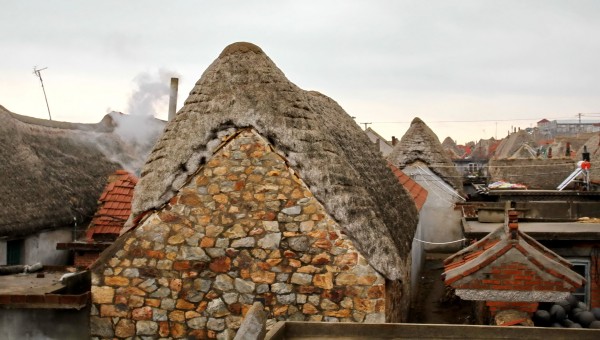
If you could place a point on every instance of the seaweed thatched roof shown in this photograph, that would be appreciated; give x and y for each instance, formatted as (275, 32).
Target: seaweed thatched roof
(420, 143)
(343, 169)
(52, 172)
(509, 145)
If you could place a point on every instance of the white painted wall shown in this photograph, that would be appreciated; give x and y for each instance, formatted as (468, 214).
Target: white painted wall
(42, 247)
(417, 259)
(439, 221)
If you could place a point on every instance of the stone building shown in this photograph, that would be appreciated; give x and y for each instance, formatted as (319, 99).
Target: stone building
(420, 155)
(257, 191)
(385, 147)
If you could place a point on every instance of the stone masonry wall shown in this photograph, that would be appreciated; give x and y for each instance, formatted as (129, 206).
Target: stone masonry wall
(244, 229)
(534, 173)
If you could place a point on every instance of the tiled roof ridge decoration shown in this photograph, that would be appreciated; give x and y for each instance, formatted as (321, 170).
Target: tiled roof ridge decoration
(243, 88)
(420, 143)
(416, 191)
(509, 265)
(114, 205)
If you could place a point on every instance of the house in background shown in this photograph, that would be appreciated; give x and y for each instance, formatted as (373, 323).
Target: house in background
(257, 191)
(420, 155)
(114, 208)
(384, 146)
(419, 196)
(566, 223)
(53, 173)
(568, 127)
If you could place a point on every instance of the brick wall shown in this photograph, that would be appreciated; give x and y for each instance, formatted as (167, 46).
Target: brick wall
(511, 276)
(498, 306)
(245, 228)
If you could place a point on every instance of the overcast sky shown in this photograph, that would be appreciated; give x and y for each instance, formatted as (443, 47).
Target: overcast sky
(469, 69)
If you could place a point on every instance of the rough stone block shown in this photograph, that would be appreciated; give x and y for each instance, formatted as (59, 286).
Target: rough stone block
(102, 294)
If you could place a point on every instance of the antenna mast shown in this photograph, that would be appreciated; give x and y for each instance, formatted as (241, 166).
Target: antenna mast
(38, 73)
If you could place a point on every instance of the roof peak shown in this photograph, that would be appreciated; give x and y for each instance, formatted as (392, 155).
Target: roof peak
(417, 120)
(240, 47)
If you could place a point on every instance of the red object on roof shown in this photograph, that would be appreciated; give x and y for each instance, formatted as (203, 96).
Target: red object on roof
(543, 121)
(114, 206)
(417, 192)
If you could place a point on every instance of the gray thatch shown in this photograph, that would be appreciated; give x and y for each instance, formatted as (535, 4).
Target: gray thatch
(512, 143)
(343, 169)
(53, 172)
(50, 177)
(420, 143)
(524, 152)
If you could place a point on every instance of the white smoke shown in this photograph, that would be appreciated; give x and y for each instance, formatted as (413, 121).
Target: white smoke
(149, 99)
(139, 129)
(151, 95)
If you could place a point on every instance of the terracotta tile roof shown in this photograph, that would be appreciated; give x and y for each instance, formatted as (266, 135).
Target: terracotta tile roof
(488, 253)
(114, 205)
(417, 192)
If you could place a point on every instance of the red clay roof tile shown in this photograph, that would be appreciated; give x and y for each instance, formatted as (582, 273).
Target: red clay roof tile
(417, 192)
(114, 205)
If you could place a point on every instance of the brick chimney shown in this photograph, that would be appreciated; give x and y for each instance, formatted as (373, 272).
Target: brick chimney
(394, 140)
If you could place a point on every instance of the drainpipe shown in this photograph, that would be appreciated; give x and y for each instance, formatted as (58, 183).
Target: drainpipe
(173, 98)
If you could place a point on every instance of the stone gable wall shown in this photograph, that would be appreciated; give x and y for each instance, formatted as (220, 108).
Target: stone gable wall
(244, 229)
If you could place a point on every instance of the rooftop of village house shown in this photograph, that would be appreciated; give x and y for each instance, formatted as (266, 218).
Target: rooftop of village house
(420, 143)
(321, 142)
(56, 171)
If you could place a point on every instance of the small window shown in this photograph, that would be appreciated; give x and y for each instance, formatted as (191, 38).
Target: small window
(582, 267)
(14, 249)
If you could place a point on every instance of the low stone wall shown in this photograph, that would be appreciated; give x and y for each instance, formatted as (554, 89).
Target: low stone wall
(534, 173)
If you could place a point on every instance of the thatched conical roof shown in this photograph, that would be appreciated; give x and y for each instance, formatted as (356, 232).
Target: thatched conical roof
(512, 143)
(420, 143)
(52, 172)
(343, 169)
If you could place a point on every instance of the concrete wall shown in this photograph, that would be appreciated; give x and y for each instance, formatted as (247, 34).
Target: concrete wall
(42, 247)
(44, 323)
(347, 331)
(438, 219)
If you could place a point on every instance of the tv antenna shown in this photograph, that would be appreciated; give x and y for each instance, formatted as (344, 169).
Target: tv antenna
(366, 125)
(38, 73)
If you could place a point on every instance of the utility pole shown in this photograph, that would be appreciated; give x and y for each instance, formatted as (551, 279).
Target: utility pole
(38, 73)
(366, 124)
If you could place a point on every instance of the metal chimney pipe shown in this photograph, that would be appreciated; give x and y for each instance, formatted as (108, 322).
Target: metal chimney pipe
(173, 98)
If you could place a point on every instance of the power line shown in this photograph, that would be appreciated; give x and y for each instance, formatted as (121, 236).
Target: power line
(464, 121)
